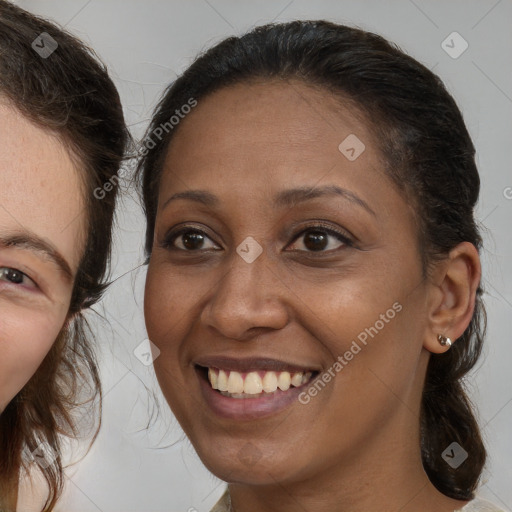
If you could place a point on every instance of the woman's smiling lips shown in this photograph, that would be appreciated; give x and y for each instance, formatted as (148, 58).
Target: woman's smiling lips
(250, 388)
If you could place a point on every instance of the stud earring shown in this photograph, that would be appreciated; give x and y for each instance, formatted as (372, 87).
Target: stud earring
(443, 340)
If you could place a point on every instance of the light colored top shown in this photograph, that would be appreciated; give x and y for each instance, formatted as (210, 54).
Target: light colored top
(480, 505)
(476, 505)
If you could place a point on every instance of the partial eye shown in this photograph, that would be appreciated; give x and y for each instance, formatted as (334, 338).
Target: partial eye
(320, 240)
(14, 276)
(189, 240)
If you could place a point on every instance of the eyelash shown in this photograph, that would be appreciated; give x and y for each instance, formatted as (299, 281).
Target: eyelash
(342, 237)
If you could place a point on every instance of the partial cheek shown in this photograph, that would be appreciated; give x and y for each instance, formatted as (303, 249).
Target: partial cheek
(164, 315)
(154, 314)
(24, 345)
(162, 324)
(165, 308)
(155, 306)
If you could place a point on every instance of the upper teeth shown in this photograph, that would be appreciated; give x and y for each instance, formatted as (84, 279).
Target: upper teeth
(234, 382)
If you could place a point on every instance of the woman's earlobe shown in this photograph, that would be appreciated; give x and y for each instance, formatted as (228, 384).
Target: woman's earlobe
(458, 282)
(438, 344)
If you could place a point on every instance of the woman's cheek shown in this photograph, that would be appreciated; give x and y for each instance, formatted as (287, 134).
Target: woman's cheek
(26, 337)
(167, 302)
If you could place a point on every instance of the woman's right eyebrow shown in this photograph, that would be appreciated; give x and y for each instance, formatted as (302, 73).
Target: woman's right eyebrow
(38, 245)
(201, 196)
(285, 198)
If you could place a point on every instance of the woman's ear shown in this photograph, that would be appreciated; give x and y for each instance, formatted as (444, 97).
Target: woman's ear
(452, 296)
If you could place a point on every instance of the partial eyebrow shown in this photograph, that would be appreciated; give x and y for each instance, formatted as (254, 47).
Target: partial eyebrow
(34, 243)
(200, 196)
(293, 196)
(286, 198)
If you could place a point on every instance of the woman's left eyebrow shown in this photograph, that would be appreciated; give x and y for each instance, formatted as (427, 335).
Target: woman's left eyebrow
(290, 197)
(285, 198)
(38, 245)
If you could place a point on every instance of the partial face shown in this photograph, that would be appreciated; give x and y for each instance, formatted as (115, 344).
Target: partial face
(289, 323)
(41, 239)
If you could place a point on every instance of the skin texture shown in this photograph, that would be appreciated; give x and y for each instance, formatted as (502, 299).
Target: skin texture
(355, 445)
(40, 195)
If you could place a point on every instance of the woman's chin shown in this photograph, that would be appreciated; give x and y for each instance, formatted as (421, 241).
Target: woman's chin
(249, 466)
(242, 475)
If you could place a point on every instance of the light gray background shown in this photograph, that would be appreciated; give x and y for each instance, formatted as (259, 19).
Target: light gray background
(145, 44)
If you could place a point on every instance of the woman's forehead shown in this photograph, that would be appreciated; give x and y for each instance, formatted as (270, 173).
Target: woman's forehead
(269, 135)
(295, 109)
(41, 189)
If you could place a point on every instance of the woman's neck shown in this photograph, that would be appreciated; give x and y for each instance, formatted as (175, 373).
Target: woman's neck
(284, 499)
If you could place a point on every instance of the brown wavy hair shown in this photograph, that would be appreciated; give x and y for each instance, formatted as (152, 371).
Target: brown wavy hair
(70, 94)
(428, 154)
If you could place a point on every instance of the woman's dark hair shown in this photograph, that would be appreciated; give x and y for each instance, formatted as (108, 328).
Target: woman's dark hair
(70, 94)
(428, 154)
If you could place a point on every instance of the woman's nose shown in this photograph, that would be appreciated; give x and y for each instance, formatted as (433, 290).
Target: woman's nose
(248, 299)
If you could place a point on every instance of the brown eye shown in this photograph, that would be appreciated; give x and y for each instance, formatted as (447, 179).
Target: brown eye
(192, 241)
(320, 240)
(14, 276)
(316, 241)
(188, 240)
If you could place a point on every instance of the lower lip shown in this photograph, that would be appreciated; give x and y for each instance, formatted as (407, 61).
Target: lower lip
(265, 405)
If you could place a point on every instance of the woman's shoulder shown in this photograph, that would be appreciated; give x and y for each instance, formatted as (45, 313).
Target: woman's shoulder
(480, 505)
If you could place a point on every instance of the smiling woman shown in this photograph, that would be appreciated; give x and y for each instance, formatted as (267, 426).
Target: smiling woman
(314, 275)
(62, 135)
